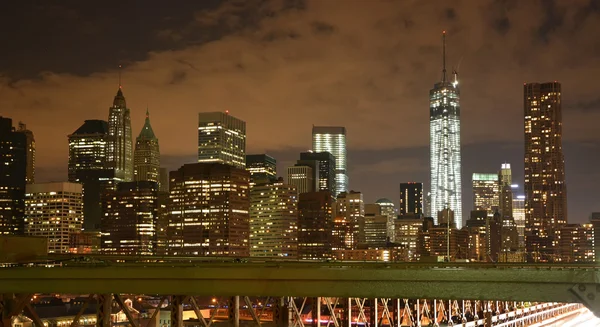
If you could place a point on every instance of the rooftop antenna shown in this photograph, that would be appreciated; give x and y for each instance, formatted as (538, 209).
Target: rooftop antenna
(444, 56)
(120, 69)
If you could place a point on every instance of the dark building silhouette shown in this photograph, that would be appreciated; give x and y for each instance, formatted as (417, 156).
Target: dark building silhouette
(411, 198)
(130, 218)
(13, 174)
(315, 225)
(324, 170)
(209, 210)
(262, 168)
(545, 189)
(30, 148)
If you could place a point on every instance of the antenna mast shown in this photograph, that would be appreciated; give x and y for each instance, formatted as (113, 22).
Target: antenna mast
(444, 56)
(120, 85)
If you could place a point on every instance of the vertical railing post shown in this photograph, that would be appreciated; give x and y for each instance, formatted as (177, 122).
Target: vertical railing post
(104, 310)
(233, 311)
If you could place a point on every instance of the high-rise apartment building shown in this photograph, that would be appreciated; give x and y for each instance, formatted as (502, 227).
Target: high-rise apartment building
(273, 220)
(333, 140)
(505, 187)
(13, 176)
(444, 132)
(130, 218)
(486, 193)
(315, 225)
(545, 189)
(54, 211)
(411, 198)
(519, 215)
(221, 139)
(120, 145)
(146, 157)
(209, 210)
(324, 172)
(302, 178)
(348, 212)
(262, 168)
(30, 148)
(89, 165)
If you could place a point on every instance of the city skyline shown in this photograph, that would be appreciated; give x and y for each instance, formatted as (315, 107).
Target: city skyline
(385, 145)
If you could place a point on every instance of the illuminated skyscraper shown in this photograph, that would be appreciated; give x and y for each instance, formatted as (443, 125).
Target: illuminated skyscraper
(411, 198)
(348, 212)
(262, 168)
(30, 148)
(120, 145)
(302, 178)
(333, 140)
(545, 189)
(54, 211)
(273, 220)
(130, 219)
(519, 215)
(146, 157)
(506, 197)
(486, 193)
(13, 175)
(209, 211)
(221, 139)
(445, 160)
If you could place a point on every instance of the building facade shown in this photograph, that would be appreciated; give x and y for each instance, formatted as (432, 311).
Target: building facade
(315, 225)
(262, 168)
(545, 188)
(54, 211)
(13, 177)
(30, 148)
(221, 139)
(411, 198)
(120, 145)
(301, 177)
(273, 220)
(348, 213)
(209, 211)
(325, 170)
(333, 140)
(445, 153)
(146, 157)
(130, 218)
(486, 193)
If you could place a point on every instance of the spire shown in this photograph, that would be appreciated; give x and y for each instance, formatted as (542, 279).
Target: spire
(147, 133)
(444, 56)
(119, 100)
(120, 85)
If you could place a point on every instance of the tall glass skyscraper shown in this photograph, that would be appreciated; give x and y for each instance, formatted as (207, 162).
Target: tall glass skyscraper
(221, 139)
(444, 123)
(333, 140)
(120, 146)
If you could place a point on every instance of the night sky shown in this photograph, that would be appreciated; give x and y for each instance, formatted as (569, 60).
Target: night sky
(284, 65)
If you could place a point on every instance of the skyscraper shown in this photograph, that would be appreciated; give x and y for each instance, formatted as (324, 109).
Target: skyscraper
(302, 178)
(13, 175)
(221, 139)
(130, 219)
(348, 212)
(545, 189)
(30, 148)
(445, 160)
(506, 196)
(262, 168)
(333, 140)
(54, 211)
(486, 192)
(120, 145)
(314, 225)
(146, 157)
(519, 215)
(209, 210)
(325, 171)
(89, 165)
(411, 198)
(273, 220)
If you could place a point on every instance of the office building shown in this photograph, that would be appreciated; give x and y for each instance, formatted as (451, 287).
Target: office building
(163, 177)
(120, 145)
(209, 211)
(333, 140)
(444, 132)
(262, 168)
(408, 234)
(54, 211)
(486, 192)
(315, 225)
(411, 198)
(387, 209)
(89, 165)
(324, 170)
(301, 177)
(130, 218)
(221, 139)
(576, 243)
(545, 189)
(13, 176)
(273, 220)
(30, 148)
(459, 243)
(348, 212)
(146, 157)
(374, 231)
(505, 188)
